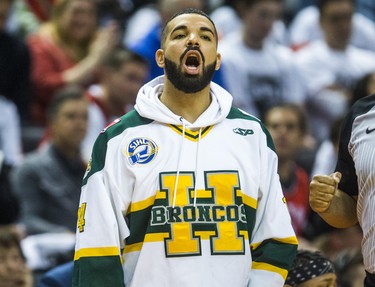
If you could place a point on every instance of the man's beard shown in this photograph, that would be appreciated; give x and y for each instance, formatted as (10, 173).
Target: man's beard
(188, 83)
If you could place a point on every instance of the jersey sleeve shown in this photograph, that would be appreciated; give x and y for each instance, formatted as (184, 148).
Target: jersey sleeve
(273, 242)
(101, 227)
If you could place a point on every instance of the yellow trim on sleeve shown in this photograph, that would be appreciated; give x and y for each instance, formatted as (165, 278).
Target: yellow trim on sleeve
(271, 268)
(150, 237)
(141, 205)
(96, 251)
(287, 240)
(133, 247)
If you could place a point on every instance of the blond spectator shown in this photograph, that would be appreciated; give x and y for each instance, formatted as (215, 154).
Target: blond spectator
(67, 50)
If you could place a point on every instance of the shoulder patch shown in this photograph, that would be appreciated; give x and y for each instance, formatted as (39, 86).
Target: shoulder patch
(141, 151)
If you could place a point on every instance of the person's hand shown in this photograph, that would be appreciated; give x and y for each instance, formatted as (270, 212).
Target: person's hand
(106, 40)
(322, 191)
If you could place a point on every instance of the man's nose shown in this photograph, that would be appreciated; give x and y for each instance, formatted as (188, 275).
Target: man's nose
(193, 40)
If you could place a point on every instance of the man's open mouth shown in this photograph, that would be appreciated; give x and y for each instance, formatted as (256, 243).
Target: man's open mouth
(192, 62)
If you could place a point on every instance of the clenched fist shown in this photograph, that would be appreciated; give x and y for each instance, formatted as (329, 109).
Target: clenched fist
(322, 191)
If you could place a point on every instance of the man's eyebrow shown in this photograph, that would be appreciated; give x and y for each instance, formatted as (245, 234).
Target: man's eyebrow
(206, 29)
(180, 27)
(184, 27)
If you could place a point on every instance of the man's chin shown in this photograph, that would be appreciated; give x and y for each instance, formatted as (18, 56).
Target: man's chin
(190, 76)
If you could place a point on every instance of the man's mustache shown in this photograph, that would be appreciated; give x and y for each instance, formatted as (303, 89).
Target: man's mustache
(192, 48)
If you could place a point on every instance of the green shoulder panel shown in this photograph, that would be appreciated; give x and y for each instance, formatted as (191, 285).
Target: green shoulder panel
(97, 161)
(276, 253)
(236, 113)
(103, 271)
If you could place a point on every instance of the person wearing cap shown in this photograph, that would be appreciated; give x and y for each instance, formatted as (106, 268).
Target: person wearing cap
(311, 269)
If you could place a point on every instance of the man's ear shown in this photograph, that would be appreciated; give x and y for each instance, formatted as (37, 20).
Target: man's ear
(218, 61)
(159, 57)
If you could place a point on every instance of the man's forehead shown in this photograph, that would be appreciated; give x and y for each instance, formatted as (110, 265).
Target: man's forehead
(189, 20)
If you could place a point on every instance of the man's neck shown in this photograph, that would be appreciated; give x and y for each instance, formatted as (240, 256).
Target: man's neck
(188, 106)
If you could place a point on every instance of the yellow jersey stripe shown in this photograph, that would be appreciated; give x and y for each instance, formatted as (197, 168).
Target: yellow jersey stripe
(191, 135)
(249, 201)
(141, 205)
(133, 247)
(96, 251)
(269, 267)
(159, 237)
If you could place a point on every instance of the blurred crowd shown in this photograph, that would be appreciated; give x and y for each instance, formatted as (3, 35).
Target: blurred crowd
(68, 68)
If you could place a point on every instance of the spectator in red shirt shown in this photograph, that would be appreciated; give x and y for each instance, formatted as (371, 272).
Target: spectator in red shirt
(288, 127)
(67, 50)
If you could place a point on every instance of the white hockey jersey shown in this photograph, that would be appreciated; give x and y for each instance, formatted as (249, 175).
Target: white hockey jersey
(170, 203)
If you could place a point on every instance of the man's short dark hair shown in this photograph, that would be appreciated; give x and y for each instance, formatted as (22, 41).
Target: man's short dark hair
(183, 12)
